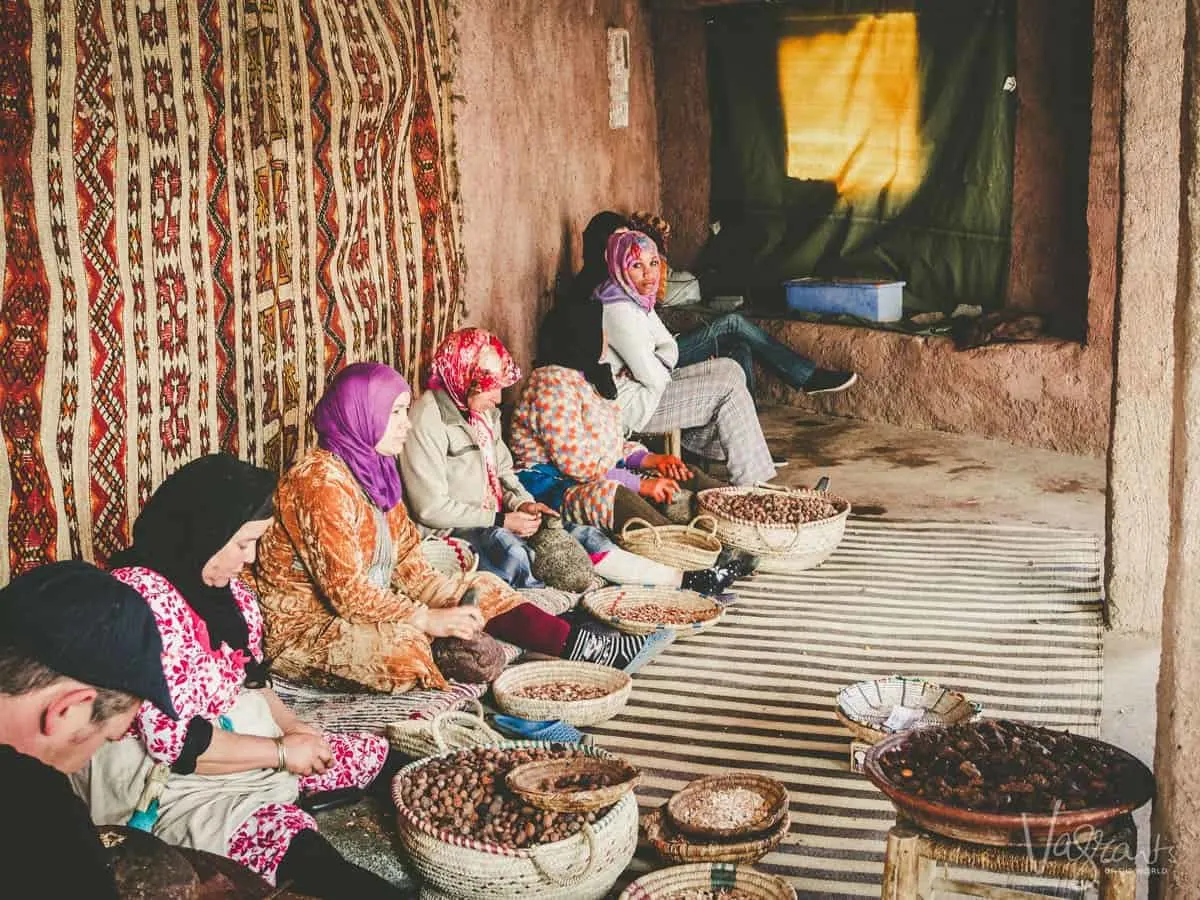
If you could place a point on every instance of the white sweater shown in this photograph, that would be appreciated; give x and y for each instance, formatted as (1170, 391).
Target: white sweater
(642, 354)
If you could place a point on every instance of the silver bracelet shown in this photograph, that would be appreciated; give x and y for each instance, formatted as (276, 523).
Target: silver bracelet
(282, 751)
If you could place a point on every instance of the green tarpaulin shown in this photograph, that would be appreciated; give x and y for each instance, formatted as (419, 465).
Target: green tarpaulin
(947, 234)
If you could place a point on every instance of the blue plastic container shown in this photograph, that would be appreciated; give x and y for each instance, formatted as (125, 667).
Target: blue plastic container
(879, 301)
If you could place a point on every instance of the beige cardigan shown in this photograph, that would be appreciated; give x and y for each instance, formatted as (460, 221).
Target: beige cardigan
(445, 483)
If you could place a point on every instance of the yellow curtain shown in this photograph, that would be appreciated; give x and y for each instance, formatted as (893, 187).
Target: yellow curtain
(852, 106)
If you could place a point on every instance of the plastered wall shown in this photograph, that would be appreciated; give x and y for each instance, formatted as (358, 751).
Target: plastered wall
(537, 157)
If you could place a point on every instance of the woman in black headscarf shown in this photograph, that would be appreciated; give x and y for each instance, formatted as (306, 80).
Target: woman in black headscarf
(214, 505)
(595, 268)
(227, 776)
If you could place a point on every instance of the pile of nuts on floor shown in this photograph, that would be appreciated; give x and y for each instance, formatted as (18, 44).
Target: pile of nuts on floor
(772, 508)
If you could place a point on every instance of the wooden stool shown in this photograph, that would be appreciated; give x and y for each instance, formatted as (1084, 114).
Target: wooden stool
(913, 853)
(673, 443)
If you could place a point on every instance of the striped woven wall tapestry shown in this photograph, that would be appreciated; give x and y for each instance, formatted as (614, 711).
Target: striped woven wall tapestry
(209, 207)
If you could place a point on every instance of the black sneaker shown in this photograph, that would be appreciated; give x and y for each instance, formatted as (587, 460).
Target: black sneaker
(829, 381)
(738, 561)
(603, 645)
(779, 461)
(713, 580)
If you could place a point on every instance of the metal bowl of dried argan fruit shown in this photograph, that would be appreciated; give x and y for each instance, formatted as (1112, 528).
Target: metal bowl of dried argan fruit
(1007, 783)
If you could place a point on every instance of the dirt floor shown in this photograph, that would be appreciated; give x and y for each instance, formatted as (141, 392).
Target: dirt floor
(900, 474)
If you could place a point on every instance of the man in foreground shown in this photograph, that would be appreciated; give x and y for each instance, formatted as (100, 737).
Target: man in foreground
(79, 651)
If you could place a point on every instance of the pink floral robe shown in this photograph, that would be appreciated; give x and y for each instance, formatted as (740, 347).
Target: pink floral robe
(209, 683)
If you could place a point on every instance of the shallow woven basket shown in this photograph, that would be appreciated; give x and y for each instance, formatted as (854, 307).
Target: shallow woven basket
(865, 706)
(667, 883)
(583, 867)
(450, 555)
(780, 547)
(609, 604)
(447, 731)
(673, 846)
(574, 712)
(684, 808)
(681, 546)
(530, 782)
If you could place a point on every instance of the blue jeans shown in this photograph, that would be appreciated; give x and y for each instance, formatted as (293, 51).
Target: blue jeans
(733, 336)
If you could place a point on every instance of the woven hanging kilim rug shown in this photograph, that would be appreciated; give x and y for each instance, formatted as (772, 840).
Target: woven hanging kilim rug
(209, 207)
(1009, 615)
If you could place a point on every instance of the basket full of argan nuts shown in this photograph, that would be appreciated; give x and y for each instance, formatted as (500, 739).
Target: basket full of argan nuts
(788, 529)
(470, 837)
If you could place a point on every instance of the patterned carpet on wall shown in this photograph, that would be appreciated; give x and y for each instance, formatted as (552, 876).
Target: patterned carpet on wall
(1009, 615)
(208, 207)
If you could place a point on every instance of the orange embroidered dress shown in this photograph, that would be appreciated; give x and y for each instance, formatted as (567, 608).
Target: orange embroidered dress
(338, 578)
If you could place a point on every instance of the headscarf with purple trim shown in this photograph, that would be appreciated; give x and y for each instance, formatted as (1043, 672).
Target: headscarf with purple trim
(624, 248)
(351, 418)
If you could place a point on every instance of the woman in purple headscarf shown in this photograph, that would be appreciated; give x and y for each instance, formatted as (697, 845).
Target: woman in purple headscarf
(348, 597)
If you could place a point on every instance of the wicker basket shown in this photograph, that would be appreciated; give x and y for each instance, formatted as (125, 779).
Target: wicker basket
(685, 809)
(681, 546)
(780, 548)
(865, 706)
(450, 555)
(583, 867)
(675, 847)
(534, 782)
(667, 883)
(574, 712)
(609, 605)
(447, 731)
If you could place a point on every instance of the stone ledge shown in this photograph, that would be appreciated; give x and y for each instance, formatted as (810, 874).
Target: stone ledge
(1050, 393)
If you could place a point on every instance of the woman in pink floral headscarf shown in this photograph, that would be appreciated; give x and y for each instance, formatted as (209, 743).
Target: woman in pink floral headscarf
(708, 401)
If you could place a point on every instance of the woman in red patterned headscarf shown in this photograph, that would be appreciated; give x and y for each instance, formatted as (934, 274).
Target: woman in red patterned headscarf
(458, 472)
(473, 367)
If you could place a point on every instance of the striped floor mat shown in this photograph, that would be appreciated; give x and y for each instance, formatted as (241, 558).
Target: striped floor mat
(1009, 615)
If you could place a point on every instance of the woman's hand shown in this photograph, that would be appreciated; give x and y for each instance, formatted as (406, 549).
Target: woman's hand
(299, 727)
(527, 518)
(522, 523)
(660, 490)
(306, 754)
(537, 509)
(455, 621)
(665, 464)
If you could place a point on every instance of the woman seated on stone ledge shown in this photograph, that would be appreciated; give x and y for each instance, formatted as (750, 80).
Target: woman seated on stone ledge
(458, 472)
(568, 440)
(350, 600)
(732, 335)
(709, 401)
